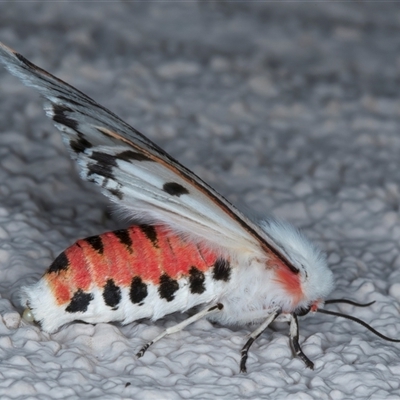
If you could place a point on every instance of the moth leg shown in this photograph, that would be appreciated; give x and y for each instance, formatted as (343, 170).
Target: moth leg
(294, 339)
(254, 335)
(182, 325)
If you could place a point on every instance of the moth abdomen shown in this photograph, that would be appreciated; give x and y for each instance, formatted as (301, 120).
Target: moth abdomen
(143, 271)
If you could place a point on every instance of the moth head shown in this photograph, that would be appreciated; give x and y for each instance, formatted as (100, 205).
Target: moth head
(315, 279)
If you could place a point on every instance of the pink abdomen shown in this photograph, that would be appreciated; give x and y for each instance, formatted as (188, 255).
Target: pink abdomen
(132, 258)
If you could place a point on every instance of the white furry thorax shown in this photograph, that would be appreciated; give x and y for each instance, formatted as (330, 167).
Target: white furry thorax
(254, 289)
(316, 278)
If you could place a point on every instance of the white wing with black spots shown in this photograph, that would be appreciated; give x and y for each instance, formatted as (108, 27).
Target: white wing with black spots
(143, 179)
(133, 171)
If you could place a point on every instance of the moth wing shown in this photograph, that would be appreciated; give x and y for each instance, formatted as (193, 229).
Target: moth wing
(133, 171)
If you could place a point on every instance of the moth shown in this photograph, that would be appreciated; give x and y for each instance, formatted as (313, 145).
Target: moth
(191, 248)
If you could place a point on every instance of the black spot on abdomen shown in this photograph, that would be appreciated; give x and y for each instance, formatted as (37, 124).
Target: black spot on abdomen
(79, 302)
(175, 189)
(196, 281)
(61, 263)
(138, 291)
(96, 243)
(222, 270)
(150, 233)
(124, 237)
(111, 294)
(168, 287)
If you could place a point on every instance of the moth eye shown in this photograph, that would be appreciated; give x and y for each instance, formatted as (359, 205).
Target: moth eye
(303, 311)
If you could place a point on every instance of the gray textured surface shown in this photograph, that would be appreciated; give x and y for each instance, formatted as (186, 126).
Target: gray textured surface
(290, 109)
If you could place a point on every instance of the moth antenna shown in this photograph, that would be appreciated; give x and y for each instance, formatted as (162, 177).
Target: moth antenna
(359, 321)
(353, 303)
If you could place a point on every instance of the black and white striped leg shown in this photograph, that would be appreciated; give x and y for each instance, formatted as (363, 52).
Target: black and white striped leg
(182, 325)
(294, 339)
(254, 335)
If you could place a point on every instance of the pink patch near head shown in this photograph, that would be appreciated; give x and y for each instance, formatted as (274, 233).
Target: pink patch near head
(288, 280)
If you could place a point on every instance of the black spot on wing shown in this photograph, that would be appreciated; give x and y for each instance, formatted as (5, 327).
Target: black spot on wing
(111, 294)
(102, 165)
(116, 192)
(150, 233)
(222, 270)
(196, 281)
(168, 287)
(124, 237)
(96, 242)
(104, 158)
(138, 291)
(130, 155)
(80, 144)
(175, 189)
(59, 116)
(61, 263)
(79, 302)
